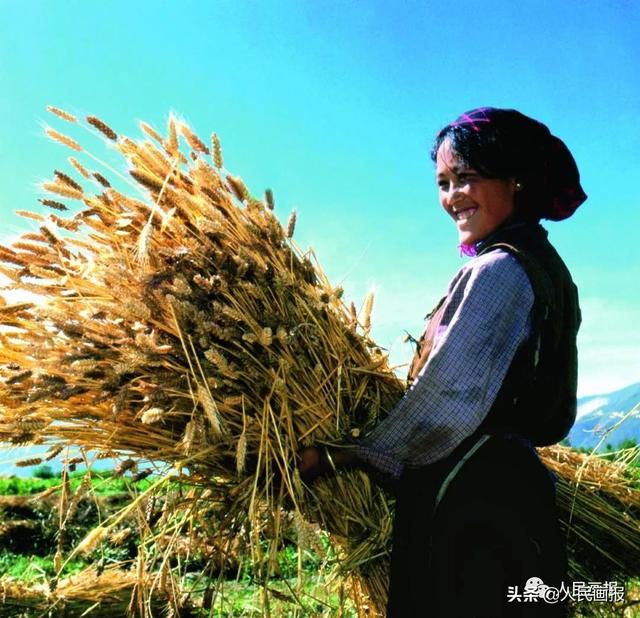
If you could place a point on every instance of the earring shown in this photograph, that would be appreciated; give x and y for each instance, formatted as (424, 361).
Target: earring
(518, 186)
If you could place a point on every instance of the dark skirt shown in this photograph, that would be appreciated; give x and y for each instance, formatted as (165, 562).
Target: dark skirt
(494, 528)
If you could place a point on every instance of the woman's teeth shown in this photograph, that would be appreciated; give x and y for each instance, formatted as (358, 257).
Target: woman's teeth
(465, 214)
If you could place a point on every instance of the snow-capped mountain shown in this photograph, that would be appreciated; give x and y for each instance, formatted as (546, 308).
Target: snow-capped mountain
(597, 414)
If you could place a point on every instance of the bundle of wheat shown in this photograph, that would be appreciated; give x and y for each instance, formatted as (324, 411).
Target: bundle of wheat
(600, 505)
(107, 594)
(185, 326)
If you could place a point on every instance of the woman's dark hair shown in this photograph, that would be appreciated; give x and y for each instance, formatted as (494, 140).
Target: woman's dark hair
(503, 143)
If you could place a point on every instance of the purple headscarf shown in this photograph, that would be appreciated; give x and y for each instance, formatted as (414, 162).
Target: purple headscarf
(537, 156)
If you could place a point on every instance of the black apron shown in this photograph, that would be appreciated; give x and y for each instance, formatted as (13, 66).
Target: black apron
(494, 527)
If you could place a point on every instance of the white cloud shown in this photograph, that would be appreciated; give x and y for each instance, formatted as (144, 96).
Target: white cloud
(591, 406)
(608, 346)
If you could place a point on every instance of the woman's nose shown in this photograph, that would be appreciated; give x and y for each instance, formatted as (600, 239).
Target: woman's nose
(455, 189)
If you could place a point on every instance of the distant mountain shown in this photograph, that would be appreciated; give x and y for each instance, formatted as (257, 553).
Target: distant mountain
(597, 414)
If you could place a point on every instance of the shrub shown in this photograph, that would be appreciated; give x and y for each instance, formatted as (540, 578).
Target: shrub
(44, 472)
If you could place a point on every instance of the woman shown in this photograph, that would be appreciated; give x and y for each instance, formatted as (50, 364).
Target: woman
(494, 375)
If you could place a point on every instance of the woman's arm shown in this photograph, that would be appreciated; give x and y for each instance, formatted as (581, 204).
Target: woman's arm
(489, 317)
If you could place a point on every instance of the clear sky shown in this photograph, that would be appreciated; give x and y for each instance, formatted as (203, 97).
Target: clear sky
(334, 106)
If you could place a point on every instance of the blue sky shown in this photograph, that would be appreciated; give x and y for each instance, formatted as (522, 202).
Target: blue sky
(334, 106)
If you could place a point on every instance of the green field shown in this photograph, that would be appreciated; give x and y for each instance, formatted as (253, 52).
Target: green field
(29, 538)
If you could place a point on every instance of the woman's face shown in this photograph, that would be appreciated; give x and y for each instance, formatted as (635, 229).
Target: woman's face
(477, 204)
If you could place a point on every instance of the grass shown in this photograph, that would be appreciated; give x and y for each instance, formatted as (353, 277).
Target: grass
(301, 588)
(243, 599)
(33, 569)
(102, 482)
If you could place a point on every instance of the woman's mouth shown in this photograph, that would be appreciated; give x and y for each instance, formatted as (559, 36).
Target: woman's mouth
(465, 214)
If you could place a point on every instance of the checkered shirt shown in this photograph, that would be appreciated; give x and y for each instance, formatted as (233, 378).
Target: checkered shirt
(487, 317)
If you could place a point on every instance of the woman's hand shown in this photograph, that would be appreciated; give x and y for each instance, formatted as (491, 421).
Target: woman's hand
(314, 462)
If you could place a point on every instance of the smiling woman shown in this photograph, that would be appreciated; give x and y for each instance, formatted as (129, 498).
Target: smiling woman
(494, 375)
